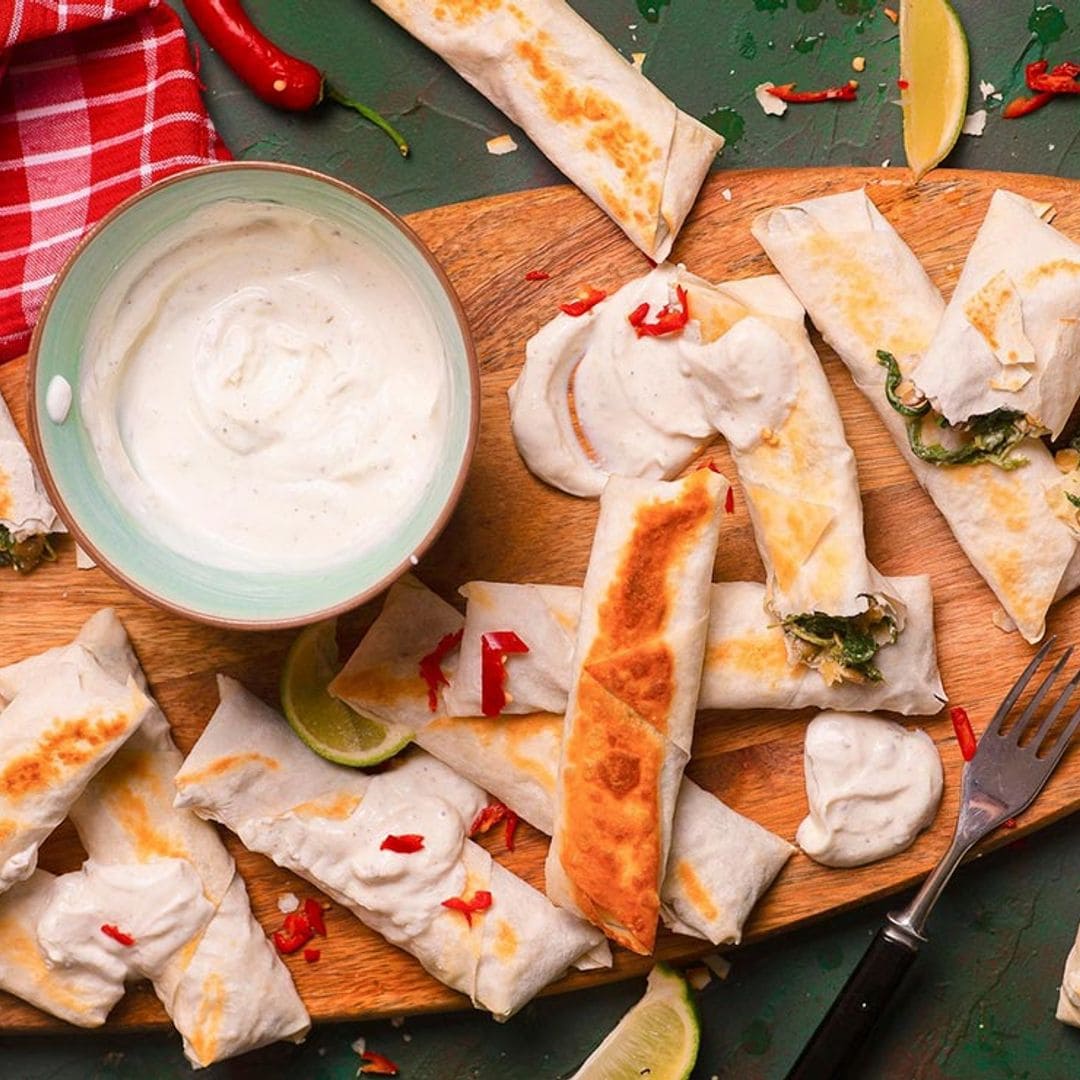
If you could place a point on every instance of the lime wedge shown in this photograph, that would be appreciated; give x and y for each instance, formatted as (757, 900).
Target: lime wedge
(934, 67)
(657, 1038)
(327, 725)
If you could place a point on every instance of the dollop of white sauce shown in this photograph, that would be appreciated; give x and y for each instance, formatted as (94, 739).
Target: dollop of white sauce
(58, 399)
(160, 904)
(872, 787)
(264, 389)
(647, 405)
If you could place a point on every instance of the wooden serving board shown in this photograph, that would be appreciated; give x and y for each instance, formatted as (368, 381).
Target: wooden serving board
(510, 527)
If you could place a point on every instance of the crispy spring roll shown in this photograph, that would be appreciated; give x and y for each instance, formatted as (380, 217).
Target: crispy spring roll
(26, 515)
(630, 713)
(746, 660)
(226, 991)
(868, 295)
(720, 862)
(626, 145)
(56, 733)
(1010, 336)
(328, 824)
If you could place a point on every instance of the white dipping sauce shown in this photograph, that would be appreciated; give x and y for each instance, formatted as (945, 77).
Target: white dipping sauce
(264, 390)
(872, 786)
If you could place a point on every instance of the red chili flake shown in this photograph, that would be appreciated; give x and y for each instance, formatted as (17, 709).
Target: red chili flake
(117, 935)
(406, 844)
(670, 319)
(491, 814)
(312, 955)
(494, 648)
(376, 1064)
(1010, 824)
(537, 275)
(1062, 80)
(511, 828)
(481, 901)
(296, 934)
(313, 912)
(788, 93)
(729, 501)
(431, 666)
(964, 735)
(903, 83)
(639, 314)
(588, 298)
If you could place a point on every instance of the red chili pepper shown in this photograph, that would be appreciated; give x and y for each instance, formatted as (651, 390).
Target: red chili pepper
(511, 829)
(406, 844)
(537, 275)
(481, 901)
(1062, 80)
(311, 955)
(431, 666)
(964, 735)
(669, 319)
(588, 298)
(377, 1064)
(313, 912)
(117, 935)
(903, 84)
(1010, 824)
(494, 649)
(638, 315)
(274, 75)
(729, 501)
(788, 93)
(1024, 106)
(296, 934)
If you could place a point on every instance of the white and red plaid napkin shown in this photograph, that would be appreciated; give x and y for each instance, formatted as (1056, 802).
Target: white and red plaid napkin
(97, 100)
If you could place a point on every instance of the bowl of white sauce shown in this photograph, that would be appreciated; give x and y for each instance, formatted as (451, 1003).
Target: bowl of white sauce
(255, 395)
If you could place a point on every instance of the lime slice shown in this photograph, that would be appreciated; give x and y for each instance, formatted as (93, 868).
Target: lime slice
(934, 65)
(657, 1038)
(328, 726)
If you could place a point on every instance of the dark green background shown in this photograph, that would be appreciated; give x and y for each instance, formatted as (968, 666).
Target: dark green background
(980, 1002)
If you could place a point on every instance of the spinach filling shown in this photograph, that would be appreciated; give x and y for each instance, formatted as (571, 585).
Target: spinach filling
(991, 438)
(24, 555)
(843, 647)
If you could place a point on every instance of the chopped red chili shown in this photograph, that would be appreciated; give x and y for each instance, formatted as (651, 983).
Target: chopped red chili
(313, 912)
(481, 901)
(1062, 80)
(670, 319)
(788, 93)
(117, 935)
(964, 735)
(1010, 824)
(406, 844)
(729, 501)
(903, 84)
(492, 814)
(1024, 106)
(311, 955)
(377, 1064)
(494, 648)
(537, 275)
(431, 666)
(588, 298)
(639, 314)
(296, 934)
(511, 829)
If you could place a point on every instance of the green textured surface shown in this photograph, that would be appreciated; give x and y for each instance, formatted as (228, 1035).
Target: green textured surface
(981, 999)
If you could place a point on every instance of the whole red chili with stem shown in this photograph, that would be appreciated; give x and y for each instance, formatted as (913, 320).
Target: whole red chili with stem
(273, 74)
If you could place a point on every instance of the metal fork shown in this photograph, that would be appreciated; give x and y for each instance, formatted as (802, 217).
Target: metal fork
(1001, 780)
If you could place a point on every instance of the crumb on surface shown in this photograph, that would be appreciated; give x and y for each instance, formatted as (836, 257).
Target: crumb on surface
(501, 144)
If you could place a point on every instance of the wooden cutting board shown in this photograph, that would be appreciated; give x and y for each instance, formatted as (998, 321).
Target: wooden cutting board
(510, 527)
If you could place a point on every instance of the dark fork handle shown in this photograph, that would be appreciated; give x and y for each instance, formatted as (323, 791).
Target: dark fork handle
(841, 1035)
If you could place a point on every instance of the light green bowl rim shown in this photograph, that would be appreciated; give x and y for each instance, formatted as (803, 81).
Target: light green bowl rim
(38, 416)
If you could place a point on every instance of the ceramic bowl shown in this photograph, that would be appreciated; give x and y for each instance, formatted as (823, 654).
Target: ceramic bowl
(113, 536)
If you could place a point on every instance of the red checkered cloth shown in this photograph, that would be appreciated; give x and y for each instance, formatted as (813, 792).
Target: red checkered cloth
(97, 100)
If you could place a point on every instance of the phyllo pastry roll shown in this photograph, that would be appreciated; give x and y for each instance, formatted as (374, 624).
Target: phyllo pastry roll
(600, 121)
(470, 922)
(55, 734)
(1008, 346)
(630, 715)
(874, 304)
(26, 515)
(719, 864)
(746, 658)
